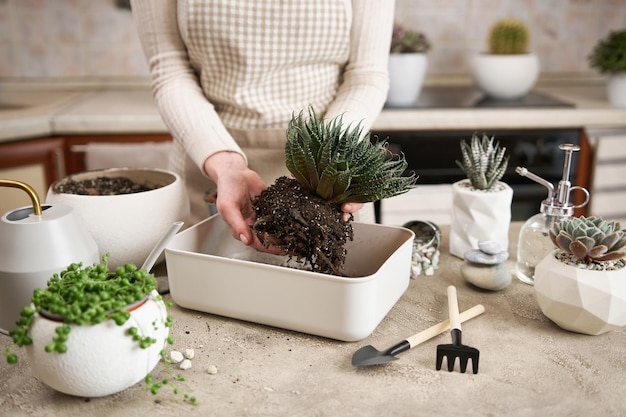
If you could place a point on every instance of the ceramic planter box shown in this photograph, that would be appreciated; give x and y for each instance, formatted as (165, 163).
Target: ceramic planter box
(212, 272)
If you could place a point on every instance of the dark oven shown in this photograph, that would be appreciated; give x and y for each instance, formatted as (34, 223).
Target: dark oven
(432, 155)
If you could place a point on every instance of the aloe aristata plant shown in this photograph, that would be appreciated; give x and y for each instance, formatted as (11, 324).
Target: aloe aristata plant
(483, 161)
(590, 239)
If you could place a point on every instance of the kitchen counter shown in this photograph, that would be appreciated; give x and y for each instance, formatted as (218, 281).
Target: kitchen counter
(30, 112)
(528, 365)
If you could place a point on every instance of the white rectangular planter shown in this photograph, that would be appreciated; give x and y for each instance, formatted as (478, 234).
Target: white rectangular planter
(210, 271)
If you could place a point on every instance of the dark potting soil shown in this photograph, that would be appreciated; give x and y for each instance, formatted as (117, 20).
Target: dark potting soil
(101, 186)
(302, 224)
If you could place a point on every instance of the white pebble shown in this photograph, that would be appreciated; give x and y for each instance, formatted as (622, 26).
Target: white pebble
(186, 364)
(189, 353)
(176, 356)
(211, 370)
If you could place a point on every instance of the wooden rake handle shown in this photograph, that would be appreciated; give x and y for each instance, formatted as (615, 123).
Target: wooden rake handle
(439, 328)
(453, 308)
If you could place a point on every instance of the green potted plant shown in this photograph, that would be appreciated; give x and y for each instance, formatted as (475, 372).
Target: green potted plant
(92, 331)
(481, 203)
(581, 285)
(609, 57)
(408, 61)
(507, 71)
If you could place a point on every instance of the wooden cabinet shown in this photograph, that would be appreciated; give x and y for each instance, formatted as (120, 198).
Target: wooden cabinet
(37, 162)
(75, 146)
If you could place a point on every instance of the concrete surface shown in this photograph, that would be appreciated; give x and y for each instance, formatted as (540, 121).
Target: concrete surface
(528, 366)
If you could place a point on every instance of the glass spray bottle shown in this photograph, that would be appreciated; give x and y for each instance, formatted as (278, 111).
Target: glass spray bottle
(534, 242)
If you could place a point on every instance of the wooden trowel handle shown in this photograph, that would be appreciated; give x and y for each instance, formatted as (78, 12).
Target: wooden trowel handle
(437, 329)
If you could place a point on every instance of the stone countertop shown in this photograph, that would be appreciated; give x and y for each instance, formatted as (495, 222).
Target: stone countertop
(30, 113)
(528, 365)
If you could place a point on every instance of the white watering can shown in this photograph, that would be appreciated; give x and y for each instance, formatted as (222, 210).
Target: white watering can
(35, 243)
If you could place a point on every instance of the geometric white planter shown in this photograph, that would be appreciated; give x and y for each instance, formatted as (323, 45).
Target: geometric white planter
(581, 300)
(406, 78)
(616, 89)
(128, 225)
(505, 77)
(479, 215)
(101, 359)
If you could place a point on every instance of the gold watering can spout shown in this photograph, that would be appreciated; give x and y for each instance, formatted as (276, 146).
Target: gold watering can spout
(29, 190)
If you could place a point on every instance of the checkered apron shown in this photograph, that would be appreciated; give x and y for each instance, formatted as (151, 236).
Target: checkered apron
(258, 61)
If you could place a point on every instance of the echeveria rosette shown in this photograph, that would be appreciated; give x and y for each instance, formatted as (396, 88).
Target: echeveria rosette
(590, 239)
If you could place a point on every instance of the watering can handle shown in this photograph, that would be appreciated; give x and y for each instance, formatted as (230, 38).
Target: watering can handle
(34, 198)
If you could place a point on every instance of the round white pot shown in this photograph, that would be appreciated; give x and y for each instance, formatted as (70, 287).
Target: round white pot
(616, 89)
(128, 225)
(505, 77)
(101, 359)
(479, 215)
(406, 78)
(581, 300)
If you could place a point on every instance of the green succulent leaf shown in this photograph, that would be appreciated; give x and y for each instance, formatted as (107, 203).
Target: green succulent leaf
(340, 165)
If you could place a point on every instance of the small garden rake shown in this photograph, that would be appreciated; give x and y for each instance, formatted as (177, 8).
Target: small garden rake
(456, 349)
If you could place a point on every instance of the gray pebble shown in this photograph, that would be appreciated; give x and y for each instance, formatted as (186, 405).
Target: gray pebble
(479, 257)
(493, 278)
(490, 247)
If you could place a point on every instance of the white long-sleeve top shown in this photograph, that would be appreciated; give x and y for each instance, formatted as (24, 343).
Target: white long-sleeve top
(222, 66)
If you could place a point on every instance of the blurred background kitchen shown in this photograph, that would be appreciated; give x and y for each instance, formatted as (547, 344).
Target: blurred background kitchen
(72, 73)
(96, 38)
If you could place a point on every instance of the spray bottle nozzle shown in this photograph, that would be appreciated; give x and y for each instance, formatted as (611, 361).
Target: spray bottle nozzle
(558, 204)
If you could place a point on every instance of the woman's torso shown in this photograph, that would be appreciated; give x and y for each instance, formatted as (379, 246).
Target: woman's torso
(258, 61)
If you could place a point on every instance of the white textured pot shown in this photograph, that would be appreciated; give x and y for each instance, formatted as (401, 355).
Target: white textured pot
(406, 78)
(581, 300)
(101, 359)
(128, 225)
(479, 215)
(505, 77)
(616, 89)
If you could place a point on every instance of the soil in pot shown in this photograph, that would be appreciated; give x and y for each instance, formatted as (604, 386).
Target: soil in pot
(101, 186)
(309, 227)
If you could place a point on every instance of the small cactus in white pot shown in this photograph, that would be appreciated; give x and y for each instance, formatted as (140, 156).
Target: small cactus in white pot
(581, 285)
(481, 203)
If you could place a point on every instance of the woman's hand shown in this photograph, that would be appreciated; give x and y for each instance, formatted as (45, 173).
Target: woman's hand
(349, 209)
(237, 185)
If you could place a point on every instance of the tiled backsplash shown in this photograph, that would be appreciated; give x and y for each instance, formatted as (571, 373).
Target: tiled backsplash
(95, 38)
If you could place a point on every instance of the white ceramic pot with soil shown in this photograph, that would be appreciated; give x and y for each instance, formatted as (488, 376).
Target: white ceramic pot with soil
(478, 215)
(406, 78)
(127, 225)
(101, 359)
(581, 300)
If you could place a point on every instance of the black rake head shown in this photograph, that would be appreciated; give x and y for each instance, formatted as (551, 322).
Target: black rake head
(457, 350)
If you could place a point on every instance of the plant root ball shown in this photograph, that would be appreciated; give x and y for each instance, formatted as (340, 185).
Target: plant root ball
(302, 224)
